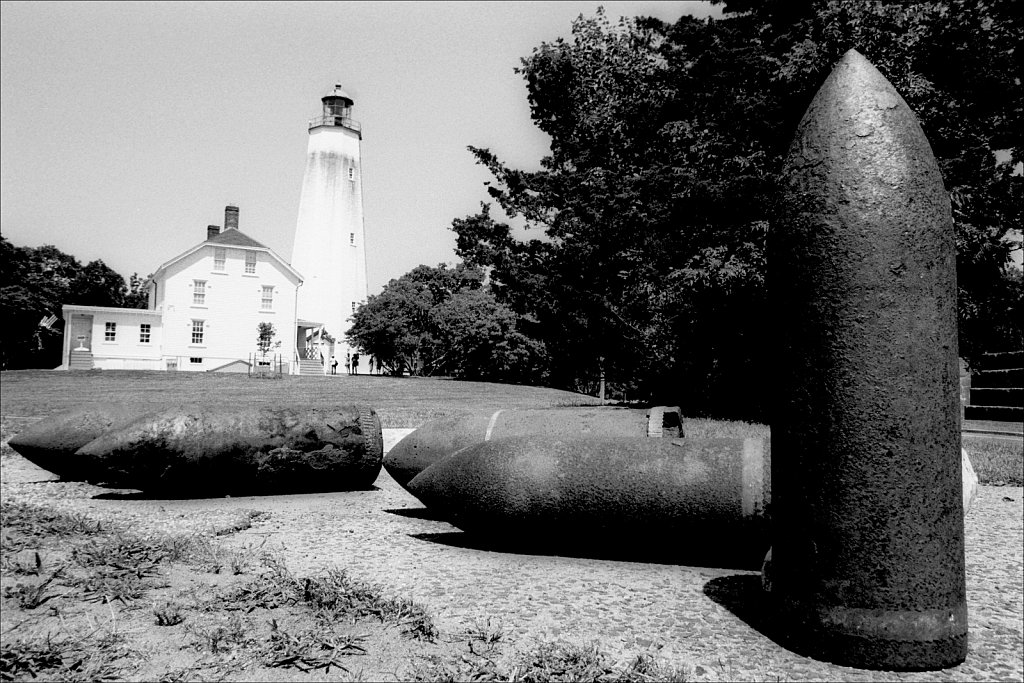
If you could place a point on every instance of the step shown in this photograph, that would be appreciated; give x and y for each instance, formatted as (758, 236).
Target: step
(310, 367)
(80, 360)
(998, 378)
(995, 413)
(1002, 396)
(1001, 361)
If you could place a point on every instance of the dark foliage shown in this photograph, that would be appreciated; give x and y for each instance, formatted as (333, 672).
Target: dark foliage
(35, 283)
(657, 197)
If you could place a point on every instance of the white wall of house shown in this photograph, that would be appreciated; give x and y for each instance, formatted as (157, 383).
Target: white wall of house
(211, 325)
(116, 337)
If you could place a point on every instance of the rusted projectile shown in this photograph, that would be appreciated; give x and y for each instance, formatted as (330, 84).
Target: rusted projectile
(201, 450)
(866, 506)
(566, 492)
(51, 442)
(440, 438)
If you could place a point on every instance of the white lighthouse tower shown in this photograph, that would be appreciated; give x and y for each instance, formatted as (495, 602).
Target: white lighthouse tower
(329, 250)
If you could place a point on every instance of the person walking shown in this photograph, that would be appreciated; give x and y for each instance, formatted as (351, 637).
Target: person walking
(371, 365)
(334, 365)
(355, 364)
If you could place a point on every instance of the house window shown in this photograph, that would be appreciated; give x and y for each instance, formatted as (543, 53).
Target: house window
(197, 331)
(198, 292)
(145, 329)
(351, 173)
(250, 262)
(110, 333)
(352, 238)
(267, 298)
(353, 306)
(220, 255)
(195, 360)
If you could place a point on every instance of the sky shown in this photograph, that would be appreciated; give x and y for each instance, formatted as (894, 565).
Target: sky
(125, 128)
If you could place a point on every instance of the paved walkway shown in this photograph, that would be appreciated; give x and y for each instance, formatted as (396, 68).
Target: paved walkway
(694, 616)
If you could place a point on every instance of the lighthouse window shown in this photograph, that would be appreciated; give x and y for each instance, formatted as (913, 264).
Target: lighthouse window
(352, 238)
(351, 173)
(250, 262)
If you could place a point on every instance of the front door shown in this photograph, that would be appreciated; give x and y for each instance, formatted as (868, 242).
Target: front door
(81, 332)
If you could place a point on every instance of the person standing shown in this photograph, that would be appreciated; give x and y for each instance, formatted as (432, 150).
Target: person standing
(334, 365)
(348, 362)
(355, 364)
(371, 364)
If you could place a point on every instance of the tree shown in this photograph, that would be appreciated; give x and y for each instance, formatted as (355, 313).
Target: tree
(666, 148)
(647, 257)
(265, 338)
(35, 282)
(441, 320)
(137, 294)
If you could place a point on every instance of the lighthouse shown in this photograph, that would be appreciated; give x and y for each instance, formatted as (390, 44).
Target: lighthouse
(329, 250)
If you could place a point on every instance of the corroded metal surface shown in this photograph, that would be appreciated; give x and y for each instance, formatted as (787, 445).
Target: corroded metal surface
(440, 438)
(868, 539)
(52, 442)
(567, 492)
(216, 451)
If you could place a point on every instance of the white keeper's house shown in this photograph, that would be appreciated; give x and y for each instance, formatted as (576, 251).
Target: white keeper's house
(205, 306)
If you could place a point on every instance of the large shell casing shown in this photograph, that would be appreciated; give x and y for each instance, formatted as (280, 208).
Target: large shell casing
(622, 493)
(867, 512)
(216, 451)
(440, 438)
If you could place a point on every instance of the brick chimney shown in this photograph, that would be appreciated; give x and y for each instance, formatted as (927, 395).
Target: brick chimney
(230, 217)
(212, 231)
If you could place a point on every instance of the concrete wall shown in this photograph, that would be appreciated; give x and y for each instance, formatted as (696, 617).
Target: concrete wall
(232, 309)
(329, 250)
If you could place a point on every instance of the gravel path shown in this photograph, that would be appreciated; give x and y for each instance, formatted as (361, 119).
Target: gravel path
(693, 616)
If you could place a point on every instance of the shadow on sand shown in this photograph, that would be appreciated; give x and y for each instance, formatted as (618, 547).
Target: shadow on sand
(743, 595)
(133, 494)
(416, 513)
(651, 550)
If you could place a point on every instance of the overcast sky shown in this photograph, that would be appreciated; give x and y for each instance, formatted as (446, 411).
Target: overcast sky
(126, 128)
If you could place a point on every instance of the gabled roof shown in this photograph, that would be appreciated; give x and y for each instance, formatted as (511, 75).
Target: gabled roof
(235, 238)
(232, 237)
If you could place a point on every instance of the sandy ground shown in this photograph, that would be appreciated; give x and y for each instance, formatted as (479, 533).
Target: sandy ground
(699, 617)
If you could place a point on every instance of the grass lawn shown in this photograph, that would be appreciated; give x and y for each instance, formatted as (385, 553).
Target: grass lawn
(400, 401)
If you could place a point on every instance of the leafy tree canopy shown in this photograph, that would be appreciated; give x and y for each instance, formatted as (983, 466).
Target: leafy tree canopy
(443, 321)
(666, 146)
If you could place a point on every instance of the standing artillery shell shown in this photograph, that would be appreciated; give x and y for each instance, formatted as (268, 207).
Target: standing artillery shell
(53, 441)
(868, 526)
(218, 451)
(440, 438)
(566, 492)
